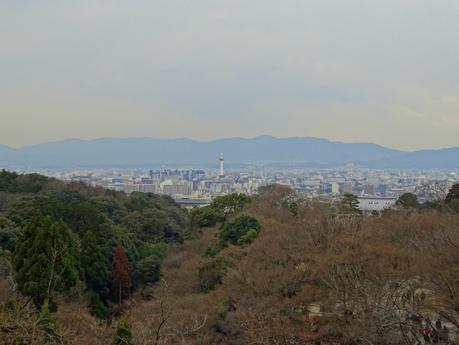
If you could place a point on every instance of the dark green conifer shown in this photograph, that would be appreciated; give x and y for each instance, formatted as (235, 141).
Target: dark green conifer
(94, 265)
(45, 259)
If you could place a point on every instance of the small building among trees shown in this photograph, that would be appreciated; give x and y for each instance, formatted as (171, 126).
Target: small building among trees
(370, 203)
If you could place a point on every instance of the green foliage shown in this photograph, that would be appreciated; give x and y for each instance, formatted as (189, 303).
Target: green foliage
(79, 212)
(97, 308)
(14, 183)
(100, 219)
(206, 217)
(408, 200)
(211, 274)
(157, 249)
(432, 205)
(219, 210)
(45, 259)
(231, 203)
(233, 232)
(9, 234)
(94, 265)
(152, 225)
(123, 334)
(49, 327)
(294, 208)
(212, 251)
(119, 235)
(147, 270)
(350, 203)
(452, 199)
(6, 269)
(21, 211)
(248, 237)
(453, 193)
(454, 205)
(23, 325)
(143, 201)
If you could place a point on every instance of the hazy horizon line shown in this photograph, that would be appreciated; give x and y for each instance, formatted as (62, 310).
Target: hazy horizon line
(204, 140)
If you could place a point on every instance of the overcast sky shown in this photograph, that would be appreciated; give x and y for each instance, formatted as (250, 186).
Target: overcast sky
(383, 71)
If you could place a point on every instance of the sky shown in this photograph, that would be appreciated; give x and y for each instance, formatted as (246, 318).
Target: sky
(382, 71)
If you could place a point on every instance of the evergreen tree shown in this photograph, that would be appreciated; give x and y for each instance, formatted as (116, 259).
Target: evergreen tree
(121, 274)
(123, 334)
(148, 270)
(94, 265)
(45, 259)
(97, 308)
(350, 202)
(408, 200)
(232, 232)
(452, 199)
(9, 234)
(453, 193)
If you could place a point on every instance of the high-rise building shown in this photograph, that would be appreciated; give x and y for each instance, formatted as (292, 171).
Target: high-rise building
(369, 189)
(347, 187)
(381, 189)
(334, 188)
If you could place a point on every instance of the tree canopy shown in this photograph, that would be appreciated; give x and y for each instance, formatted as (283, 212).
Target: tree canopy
(84, 225)
(350, 203)
(408, 200)
(46, 259)
(218, 212)
(237, 232)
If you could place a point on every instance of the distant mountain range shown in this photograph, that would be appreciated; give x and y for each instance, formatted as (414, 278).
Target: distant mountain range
(259, 151)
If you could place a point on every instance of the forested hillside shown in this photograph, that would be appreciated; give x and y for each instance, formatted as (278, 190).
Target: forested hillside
(63, 238)
(271, 269)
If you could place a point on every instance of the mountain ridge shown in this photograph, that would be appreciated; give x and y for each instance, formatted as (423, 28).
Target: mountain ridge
(260, 150)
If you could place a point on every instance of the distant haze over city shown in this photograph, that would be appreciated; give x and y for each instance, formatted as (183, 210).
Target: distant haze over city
(261, 151)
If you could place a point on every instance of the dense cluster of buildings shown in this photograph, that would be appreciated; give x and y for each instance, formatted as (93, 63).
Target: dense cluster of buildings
(376, 189)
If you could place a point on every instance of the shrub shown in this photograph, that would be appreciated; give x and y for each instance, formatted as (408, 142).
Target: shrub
(123, 334)
(248, 237)
(148, 270)
(232, 232)
(211, 275)
(97, 308)
(212, 251)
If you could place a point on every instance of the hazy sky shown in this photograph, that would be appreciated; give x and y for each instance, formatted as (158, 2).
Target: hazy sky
(384, 71)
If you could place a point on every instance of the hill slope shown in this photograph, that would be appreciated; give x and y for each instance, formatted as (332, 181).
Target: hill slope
(424, 159)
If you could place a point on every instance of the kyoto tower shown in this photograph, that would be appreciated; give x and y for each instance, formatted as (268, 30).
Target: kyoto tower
(222, 163)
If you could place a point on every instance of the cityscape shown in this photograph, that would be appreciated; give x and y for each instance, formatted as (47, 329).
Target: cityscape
(229, 172)
(376, 189)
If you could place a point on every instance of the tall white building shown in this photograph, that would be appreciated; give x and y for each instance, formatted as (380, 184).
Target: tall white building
(222, 167)
(334, 188)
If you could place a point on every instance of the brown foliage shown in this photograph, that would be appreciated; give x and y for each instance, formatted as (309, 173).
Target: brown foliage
(121, 275)
(313, 278)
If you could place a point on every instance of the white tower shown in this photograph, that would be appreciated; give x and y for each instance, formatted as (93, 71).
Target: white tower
(222, 163)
